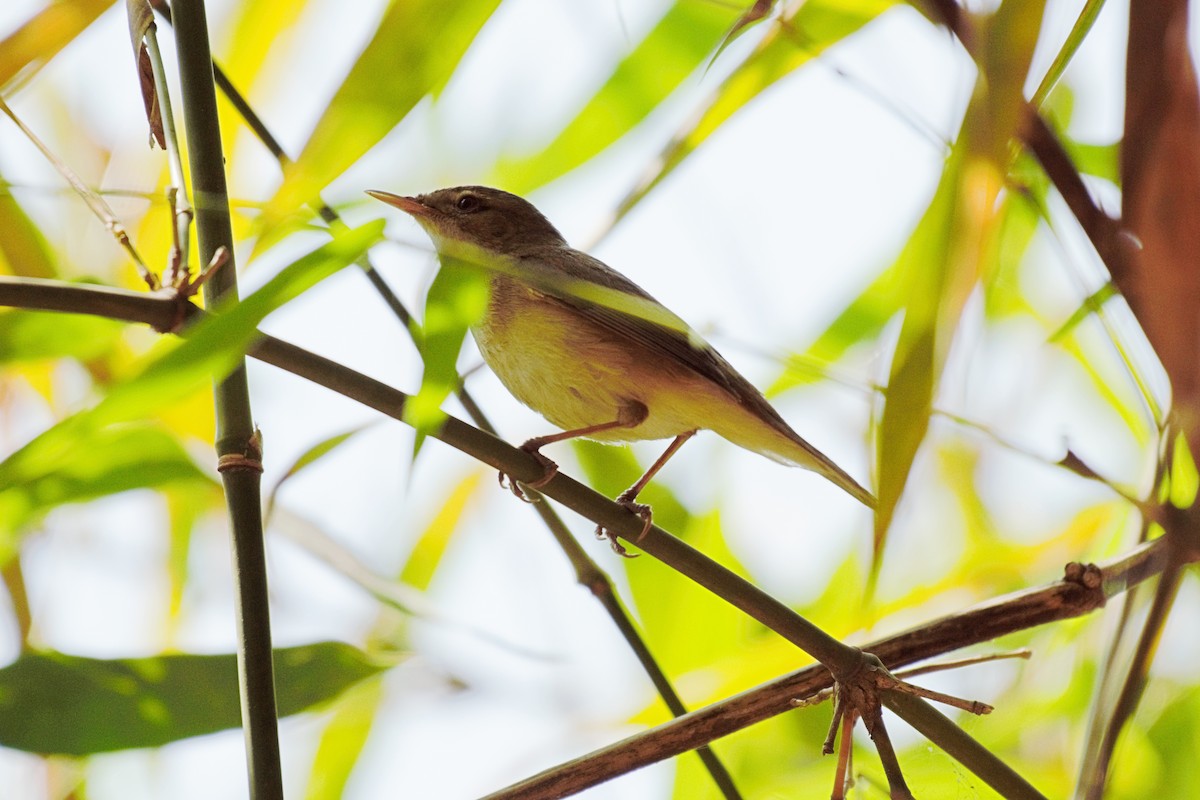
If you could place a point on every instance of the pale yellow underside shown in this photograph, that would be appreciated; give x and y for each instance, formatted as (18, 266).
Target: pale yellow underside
(577, 374)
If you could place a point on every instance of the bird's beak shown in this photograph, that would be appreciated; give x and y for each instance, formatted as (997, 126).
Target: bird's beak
(409, 205)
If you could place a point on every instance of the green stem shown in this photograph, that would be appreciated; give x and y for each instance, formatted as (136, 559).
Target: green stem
(587, 571)
(238, 452)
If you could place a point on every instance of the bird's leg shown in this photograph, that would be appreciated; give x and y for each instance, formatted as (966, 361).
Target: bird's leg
(629, 416)
(628, 498)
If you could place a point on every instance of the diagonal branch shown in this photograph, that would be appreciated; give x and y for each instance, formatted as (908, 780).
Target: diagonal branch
(1084, 589)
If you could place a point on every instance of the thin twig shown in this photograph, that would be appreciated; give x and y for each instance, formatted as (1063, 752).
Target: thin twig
(177, 195)
(97, 204)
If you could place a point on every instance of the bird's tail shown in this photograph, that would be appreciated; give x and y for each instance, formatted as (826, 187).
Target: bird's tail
(786, 446)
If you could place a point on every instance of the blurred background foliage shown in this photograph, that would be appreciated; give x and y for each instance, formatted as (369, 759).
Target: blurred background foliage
(833, 194)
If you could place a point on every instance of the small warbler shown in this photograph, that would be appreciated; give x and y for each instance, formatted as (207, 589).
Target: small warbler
(593, 352)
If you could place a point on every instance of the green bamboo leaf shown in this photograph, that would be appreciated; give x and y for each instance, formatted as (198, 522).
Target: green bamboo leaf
(812, 28)
(860, 321)
(691, 629)
(672, 51)
(62, 704)
(187, 504)
(91, 453)
(253, 22)
(47, 32)
(1010, 36)
(456, 300)
(217, 344)
(343, 740)
(1174, 735)
(1182, 477)
(307, 459)
(431, 545)
(1101, 160)
(74, 464)
(1075, 39)
(1019, 220)
(611, 469)
(414, 52)
(23, 249)
(939, 266)
(951, 247)
(34, 336)
(1090, 305)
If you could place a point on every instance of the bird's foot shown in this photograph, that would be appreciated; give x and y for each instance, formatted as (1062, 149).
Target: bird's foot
(628, 500)
(509, 482)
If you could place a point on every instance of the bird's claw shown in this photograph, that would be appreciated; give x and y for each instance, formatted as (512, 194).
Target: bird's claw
(509, 482)
(644, 511)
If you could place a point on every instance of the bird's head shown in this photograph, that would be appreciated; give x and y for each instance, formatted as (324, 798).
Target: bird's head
(495, 221)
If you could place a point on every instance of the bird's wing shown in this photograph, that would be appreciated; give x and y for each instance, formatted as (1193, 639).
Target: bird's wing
(629, 311)
(607, 298)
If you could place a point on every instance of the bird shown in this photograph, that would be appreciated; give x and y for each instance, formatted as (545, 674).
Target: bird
(591, 351)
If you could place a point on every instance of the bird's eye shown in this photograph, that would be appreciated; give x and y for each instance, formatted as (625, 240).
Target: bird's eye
(468, 203)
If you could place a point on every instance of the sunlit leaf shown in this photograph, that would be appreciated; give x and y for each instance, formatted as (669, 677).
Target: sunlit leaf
(1183, 476)
(254, 22)
(306, 459)
(1090, 305)
(952, 248)
(1075, 39)
(923, 263)
(672, 51)
(45, 33)
(84, 456)
(427, 554)
(688, 626)
(344, 737)
(861, 321)
(793, 42)
(343, 740)
(456, 300)
(23, 249)
(56, 703)
(186, 505)
(216, 345)
(1119, 390)
(32, 336)
(1175, 737)
(1100, 160)
(243, 60)
(78, 463)
(414, 52)
(1018, 220)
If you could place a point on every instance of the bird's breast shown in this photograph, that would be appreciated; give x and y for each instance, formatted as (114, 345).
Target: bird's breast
(552, 359)
(577, 373)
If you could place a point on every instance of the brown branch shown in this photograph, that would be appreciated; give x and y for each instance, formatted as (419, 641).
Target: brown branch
(1083, 590)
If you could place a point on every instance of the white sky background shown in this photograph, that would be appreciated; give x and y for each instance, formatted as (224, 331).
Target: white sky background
(816, 175)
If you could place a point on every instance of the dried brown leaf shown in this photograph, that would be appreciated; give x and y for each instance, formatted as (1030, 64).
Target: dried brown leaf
(141, 24)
